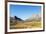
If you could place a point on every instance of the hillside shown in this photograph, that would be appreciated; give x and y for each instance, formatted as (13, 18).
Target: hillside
(31, 22)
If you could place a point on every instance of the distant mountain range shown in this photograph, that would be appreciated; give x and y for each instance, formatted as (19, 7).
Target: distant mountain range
(32, 18)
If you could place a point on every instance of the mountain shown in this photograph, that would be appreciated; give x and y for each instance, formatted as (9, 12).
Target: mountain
(34, 18)
(14, 19)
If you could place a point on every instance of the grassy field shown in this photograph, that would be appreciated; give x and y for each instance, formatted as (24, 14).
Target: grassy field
(20, 25)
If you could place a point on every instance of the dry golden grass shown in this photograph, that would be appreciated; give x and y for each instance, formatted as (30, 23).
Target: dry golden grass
(24, 25)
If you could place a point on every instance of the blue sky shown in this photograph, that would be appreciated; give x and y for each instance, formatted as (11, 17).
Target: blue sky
(24, 11)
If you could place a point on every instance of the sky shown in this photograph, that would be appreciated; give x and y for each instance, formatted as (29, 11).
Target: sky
(24, 11)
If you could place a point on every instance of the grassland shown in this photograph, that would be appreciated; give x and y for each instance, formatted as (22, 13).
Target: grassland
(24, 25)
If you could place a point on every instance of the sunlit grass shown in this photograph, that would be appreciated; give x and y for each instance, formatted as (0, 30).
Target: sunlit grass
(24, 25)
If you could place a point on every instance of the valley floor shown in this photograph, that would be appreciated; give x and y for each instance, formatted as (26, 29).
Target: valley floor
(25, 25)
